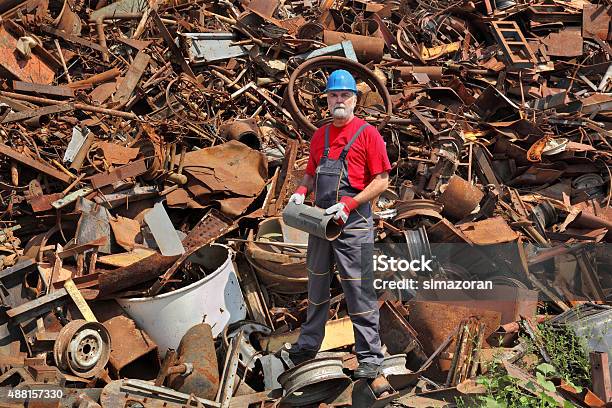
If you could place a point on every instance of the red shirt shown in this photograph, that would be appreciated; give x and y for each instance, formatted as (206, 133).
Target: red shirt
(366, 158)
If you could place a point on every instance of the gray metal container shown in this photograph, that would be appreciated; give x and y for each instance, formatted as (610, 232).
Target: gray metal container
(312, 220)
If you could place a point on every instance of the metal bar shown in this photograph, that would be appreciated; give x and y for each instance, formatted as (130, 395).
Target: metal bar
(31, 113)
(43, 168)
(81, 106)
(129, 170)
(43, 89)
(143, 385)
(600, 374)
(68, 252)
(73, 39)
(174, 49)
(37, 307)
(132, 77)
(28, 263)
(79, 301)
(229, 372)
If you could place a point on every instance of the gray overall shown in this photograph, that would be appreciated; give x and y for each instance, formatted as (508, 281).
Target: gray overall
(356, 275)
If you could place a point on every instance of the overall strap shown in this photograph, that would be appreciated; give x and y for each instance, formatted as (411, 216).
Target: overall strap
(348, 145)
(326, 148)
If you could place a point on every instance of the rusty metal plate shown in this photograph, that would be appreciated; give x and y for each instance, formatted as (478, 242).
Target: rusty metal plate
(566, 43)
(43, 202)
(395, 332)
(490, 231)
(134, 344)
(435, 321)
(596, 21)
(36, 69)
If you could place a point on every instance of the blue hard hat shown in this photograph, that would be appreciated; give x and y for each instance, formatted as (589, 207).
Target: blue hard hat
(341, 80)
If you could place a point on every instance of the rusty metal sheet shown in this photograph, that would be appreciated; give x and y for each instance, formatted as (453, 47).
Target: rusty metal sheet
(129, 170)
(125, 231)
(445, 231)
(37, 69)
(435, 321)
(265, 8)
(135, 345)
(398, 335)
(217, 166)
(513, 303)
(117, 154)
(102, 92)
(490, 231)
(565, 43)
(43, 202)
(596, 21)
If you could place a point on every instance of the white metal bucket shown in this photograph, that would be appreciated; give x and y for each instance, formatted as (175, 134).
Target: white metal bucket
(216, 299)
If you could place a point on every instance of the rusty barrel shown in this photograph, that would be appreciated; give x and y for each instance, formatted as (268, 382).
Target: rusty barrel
(197, 348)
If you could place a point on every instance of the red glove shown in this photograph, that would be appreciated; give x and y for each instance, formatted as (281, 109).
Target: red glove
(299, 196)
(342, 209)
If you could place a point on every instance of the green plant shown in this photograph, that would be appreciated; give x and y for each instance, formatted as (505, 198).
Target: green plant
(504, 391)
(568, 360)
(567, 354)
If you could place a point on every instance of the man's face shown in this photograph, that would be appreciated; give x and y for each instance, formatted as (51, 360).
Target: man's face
(341, 104)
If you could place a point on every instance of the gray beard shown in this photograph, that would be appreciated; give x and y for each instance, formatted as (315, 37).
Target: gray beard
(341, 113)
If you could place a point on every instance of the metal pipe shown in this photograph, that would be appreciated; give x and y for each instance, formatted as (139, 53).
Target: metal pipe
(312, 220)
(434, 73)
(102, 38)
(367, 48)
(81, 106)
(98, 78)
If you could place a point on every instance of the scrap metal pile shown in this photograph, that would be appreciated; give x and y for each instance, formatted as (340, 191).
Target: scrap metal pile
(147, 149)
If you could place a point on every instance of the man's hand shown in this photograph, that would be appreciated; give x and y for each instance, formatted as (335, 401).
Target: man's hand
(342, 209)
(299, 196)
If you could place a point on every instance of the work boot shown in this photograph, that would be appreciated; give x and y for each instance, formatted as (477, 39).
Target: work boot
(291, 355)
(367, 370)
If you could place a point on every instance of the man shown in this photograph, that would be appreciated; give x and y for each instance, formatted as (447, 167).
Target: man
(348, 167)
